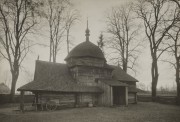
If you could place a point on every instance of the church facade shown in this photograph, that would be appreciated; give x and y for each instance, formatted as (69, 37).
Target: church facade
(85, 79)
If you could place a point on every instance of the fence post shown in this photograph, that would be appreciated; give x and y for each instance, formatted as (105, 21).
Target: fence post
(22, 102)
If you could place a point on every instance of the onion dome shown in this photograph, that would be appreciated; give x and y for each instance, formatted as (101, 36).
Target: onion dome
(86, 49)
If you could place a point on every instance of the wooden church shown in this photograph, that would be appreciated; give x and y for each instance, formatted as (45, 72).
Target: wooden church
(85, 80)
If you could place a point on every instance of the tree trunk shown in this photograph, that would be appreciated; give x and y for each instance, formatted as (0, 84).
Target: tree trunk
(178, 80)
(13, 85)
(50, 50)
(125, 66)
(155, 75)
(54, 57)
(124, 61)
(68, 41)
(178, 93)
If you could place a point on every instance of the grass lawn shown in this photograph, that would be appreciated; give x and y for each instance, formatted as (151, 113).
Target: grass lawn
(142, 112)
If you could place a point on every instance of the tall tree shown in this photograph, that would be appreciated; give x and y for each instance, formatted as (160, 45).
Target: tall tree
(173, 49)
(158, 18)
(71, 17)
(123, 33)
(54, 13)
(17, 20)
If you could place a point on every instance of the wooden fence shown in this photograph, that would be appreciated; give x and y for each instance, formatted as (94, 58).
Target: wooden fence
(5, 98)
(160, 99)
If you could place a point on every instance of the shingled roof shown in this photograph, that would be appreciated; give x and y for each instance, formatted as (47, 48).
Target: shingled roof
(55, 77)
(120, 75)
(112, 82)
(85, 49)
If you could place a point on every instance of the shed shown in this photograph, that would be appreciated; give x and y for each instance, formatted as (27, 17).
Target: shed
(4, 89)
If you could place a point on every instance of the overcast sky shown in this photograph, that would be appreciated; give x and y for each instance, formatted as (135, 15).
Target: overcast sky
(95, 11)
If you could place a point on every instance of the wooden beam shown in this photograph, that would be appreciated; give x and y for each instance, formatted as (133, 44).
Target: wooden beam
(136, 98)
(36, 100)
(22, 101)
(76, 100)
(111, 96)
(36, 97)
(126, 95)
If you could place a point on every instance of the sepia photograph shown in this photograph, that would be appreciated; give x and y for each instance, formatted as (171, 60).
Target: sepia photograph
(89, 60)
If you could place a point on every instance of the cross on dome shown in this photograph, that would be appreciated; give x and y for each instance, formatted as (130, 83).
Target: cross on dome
(87, 32)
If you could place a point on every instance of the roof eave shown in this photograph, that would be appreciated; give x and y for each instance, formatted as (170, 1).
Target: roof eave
(32, 90)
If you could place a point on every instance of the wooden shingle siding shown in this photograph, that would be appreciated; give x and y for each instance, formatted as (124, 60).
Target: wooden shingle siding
(86, 61)
(87, 75)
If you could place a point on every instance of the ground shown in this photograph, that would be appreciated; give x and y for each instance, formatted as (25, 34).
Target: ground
(142, 112)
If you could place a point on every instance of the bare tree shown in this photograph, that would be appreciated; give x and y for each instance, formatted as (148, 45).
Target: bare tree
(158, 17)
(71, 17)
(17, 20)
(54, 13)
(123, 32)
(173, 48)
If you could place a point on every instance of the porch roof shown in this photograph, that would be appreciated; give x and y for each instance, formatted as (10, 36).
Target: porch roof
(121, 75)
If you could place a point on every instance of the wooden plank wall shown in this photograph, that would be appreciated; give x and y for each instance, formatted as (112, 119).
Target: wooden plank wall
(87, 75)
(105, 98)
(69, 99)
(62, 98)
(87, 98)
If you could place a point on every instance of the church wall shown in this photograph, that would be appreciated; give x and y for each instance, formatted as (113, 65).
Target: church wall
(87, 75)
(87, 98)
(105, 98)
(67, 100)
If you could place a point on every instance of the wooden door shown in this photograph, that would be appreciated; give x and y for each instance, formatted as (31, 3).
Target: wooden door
(116, 96)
